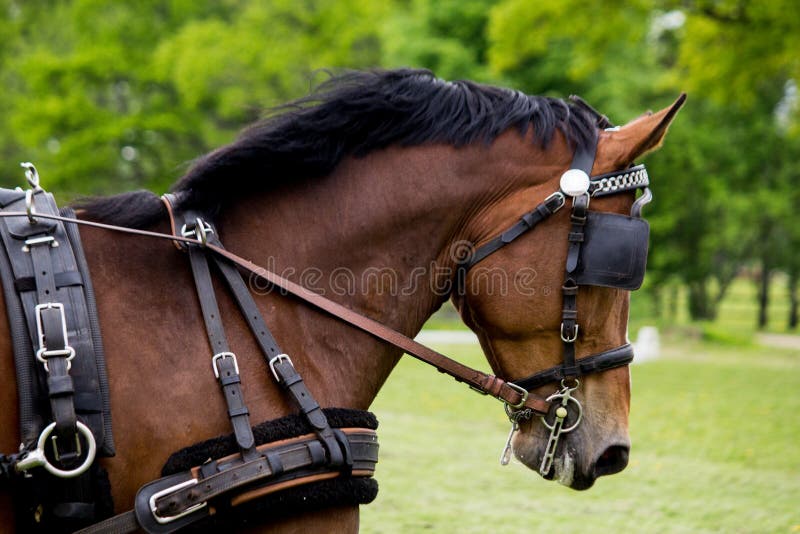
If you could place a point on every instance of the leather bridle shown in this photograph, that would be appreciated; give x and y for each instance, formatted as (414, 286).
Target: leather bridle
(575, 184)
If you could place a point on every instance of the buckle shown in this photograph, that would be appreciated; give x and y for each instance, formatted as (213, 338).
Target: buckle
(43, 352)
(220, 356)
(569, 337)
(558, 198)
(163, 520)
(277, 359)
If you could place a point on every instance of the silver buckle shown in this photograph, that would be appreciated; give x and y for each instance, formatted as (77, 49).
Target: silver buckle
(221, 355)
(561, 200)
(567, 338)
(67, 351)
(163, 520)
(276, 359)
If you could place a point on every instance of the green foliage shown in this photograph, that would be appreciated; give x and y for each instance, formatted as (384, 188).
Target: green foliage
(448, 37)
(117, 96)
(108, 96)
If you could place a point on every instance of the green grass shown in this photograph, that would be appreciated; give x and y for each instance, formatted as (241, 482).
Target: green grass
(715, 435)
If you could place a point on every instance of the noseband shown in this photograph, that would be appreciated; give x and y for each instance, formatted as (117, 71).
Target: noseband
(604, 249)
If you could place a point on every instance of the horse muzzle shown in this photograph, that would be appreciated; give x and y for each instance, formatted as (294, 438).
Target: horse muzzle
(578, 458)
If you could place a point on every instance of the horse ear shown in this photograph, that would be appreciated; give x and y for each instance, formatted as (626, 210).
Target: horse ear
(642, 135)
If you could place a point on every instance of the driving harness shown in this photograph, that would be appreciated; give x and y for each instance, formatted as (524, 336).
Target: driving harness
(604, 249)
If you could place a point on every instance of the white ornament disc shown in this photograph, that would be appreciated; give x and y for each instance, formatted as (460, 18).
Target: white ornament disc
(574, 182)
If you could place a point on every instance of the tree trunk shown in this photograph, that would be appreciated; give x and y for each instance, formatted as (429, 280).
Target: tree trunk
(763, 295)
(657, 301)
(700, 306)
(793, 319)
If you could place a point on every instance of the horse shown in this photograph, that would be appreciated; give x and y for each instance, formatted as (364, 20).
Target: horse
(365, 191)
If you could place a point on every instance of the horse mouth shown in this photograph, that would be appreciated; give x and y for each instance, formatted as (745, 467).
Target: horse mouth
(565, 469)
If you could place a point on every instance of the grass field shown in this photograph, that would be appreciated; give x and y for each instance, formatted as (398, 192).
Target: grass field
(716, 448)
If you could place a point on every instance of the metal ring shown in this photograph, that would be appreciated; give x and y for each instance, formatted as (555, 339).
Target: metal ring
(577, 421)
(38, 458)
(522, 391)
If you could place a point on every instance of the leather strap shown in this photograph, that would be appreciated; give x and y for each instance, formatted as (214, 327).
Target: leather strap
(527, 222)
(54, 349)
(282, 367)
(277, 459)
(339, 455)
(596, 363)
(569, 291)
(292, 461)
(224, 361)
(477, 380)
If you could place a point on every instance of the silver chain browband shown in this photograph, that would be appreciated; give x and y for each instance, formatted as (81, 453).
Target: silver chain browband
(633, 178)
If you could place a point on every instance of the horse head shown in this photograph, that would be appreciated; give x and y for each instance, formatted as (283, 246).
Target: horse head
(521, 322)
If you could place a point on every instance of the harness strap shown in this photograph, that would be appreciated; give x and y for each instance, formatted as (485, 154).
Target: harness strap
(179, 500)
(224, 361)
(527, 222)
(483, 383)
(284, 371)
(280, 364)
(54, 350)
(569, 291)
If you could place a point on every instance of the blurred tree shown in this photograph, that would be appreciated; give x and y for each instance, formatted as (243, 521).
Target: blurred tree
(715, 206)
(446, 36)
(109, 96)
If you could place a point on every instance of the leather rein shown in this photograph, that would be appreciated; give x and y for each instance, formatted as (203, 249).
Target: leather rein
(514, 396)
(478, 380)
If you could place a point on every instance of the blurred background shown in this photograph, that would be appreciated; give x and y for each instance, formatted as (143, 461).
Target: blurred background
(112, 96)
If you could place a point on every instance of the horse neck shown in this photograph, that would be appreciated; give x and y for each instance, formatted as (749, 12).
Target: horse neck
(377, 235)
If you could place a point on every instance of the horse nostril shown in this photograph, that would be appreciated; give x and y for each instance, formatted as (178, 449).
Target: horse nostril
(612, 461)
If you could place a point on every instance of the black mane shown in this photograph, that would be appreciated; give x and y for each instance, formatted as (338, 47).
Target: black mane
(353, 114)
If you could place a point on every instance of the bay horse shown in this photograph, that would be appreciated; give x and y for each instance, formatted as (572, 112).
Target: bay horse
(364, 192)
